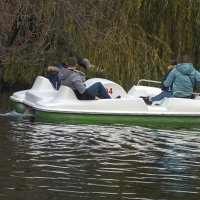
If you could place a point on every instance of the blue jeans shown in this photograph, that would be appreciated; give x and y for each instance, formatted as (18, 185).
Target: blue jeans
(99, 90)
(162, 95)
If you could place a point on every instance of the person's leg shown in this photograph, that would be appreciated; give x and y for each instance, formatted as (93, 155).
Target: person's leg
(160, 96)
(99, 90)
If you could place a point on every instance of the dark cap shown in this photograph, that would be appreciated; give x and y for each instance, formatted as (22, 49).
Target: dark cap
(72, 62)
(57, 64)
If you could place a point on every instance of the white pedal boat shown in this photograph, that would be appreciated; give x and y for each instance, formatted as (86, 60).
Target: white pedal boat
(48, 104)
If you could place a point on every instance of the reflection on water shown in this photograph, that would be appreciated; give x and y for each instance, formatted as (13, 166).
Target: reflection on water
(66, 161)
(50, 161)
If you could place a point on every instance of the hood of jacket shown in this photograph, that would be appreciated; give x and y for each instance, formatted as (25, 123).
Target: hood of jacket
(185, 68)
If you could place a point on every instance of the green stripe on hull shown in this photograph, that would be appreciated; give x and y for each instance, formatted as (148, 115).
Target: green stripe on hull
(118, 119)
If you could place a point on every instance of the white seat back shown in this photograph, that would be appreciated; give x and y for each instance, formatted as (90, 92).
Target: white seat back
(65, 93)
(138, 90)
(112, 88)
(42, 83)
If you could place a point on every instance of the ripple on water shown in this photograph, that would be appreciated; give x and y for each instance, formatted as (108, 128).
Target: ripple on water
(103, 162)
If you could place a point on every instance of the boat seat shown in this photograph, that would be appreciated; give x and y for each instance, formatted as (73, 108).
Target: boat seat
(65, 93)
(144, 91)
(112, 88)
(42, 83)
(181, 105)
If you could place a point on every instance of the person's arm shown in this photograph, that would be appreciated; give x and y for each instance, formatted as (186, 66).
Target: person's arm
(170, 78)
(197, 76)
(53, 69)
(162, 81)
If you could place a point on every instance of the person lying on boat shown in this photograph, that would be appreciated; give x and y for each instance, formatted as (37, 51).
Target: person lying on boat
(56, 66)
(166, 91)
(183, 79)
(75, 79)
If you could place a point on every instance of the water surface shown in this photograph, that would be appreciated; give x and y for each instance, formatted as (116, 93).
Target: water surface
(41, 161)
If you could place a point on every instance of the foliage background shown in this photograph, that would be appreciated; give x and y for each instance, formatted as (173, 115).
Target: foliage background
(127, 39)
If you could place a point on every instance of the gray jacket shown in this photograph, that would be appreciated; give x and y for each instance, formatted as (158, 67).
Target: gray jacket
(73, 79)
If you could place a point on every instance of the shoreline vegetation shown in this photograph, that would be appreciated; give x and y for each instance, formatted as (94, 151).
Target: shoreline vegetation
(127, 40)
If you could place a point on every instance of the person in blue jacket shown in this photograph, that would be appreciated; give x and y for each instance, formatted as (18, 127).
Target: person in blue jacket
(166, 91)
(182, 80)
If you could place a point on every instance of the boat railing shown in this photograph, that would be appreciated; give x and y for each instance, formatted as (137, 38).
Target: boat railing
(194, 94)
(147, 81)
